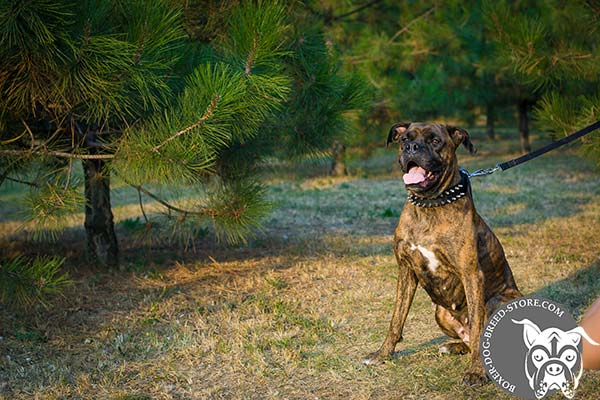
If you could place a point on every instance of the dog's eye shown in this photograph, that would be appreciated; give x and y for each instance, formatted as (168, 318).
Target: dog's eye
(569, 355)
(538, 355)
(404, 139)
(435, 141)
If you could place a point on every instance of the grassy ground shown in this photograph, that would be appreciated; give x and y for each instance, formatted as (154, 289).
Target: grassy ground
(291, 315)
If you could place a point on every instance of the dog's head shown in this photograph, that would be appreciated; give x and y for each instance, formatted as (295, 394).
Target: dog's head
(553, 360)
(427, 155)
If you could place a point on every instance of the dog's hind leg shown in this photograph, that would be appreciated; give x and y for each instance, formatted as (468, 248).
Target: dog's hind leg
(500, 299)
(453, 328)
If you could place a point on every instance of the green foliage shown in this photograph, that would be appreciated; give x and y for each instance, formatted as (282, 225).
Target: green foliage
(179, 144)
(390, 213)
(223, 103)
(553, 47)
(24, 282)
(124, 81)
(236, 209)
(326, 100)
(48, 208)
(60, 58)
(546, 42)
(255, 40)
(423, 60)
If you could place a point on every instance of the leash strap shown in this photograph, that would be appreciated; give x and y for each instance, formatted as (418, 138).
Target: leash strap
(514, 162)
(529, 156)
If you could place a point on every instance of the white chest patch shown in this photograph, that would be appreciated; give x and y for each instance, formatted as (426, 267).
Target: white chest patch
(432, 261)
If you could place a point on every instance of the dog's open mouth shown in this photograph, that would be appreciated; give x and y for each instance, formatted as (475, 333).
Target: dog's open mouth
(417, 175)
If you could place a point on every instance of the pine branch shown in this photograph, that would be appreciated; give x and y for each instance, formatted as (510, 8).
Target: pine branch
(32, 184)
(356, 10)
(30, 133)
(594, 6)
(62, 154)
(69, 172)
(251, 56)
(136, 57)
(207, 114)
(164, 202)
(26, 281)
(406, 27)
(328, 16)
(50, 207)
(86, 40)
(12, 140)
(87, 32)
(142, 205)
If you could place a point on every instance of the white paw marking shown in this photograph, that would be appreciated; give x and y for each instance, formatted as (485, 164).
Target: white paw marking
(368, 361)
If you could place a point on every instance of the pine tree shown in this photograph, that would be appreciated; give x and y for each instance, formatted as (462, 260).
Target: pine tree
(552, 47)
(361, 31)
(412, 55)
(426, 60)
(151, 94)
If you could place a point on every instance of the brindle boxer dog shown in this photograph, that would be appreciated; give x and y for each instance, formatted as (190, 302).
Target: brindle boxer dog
(442, 243)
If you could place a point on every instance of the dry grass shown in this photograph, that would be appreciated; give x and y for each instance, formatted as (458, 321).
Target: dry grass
(291, 315)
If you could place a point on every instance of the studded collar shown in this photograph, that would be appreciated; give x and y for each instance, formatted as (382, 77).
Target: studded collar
(456, 192)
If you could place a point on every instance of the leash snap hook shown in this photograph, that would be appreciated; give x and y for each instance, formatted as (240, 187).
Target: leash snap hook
(483, 172)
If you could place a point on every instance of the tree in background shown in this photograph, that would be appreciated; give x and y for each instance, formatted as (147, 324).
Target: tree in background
(133, 92)
(363, 32)
(554, 48)
(424, 60)
(427, 60)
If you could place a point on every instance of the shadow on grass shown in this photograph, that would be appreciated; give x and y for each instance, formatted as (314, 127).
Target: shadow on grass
(577, 291)
(421, 346)
(559, 187)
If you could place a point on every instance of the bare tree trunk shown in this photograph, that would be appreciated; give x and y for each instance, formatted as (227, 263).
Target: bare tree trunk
(338, 165)
(489, 120)
(102, 244)
(524, 126)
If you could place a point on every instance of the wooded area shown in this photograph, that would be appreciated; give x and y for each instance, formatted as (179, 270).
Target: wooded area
(195, 110)
(198, 94)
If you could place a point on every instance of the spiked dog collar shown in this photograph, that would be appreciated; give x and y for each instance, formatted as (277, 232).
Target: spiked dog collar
(456, 192)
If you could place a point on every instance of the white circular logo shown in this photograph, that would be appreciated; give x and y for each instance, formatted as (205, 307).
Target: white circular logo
(531, 347)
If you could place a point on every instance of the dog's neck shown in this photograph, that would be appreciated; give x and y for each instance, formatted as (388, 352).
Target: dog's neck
(460, 189)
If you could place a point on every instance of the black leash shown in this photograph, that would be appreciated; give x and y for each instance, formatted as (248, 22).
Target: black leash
(529, 156)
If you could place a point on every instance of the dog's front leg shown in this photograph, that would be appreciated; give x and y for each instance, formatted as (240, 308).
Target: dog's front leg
(405, 291)
(473, 282)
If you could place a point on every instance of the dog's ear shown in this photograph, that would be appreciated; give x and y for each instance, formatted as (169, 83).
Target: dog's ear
(530, 331)
(576, 334)
(460, 135)
(396, 132)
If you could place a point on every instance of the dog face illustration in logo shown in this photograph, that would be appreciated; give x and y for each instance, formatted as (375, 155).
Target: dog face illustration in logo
(553, 360)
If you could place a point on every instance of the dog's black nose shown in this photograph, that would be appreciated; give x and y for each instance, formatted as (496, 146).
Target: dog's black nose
(554, 369)
(412, 147)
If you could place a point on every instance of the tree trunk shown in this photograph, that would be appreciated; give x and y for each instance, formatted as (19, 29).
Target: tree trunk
(338, 165)
(489, 121)
(524, 126)
(102, 244)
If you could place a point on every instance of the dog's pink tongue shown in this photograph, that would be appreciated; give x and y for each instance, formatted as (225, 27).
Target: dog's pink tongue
(415, 175)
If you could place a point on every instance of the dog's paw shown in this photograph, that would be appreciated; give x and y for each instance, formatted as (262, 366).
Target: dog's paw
(475, 378)
(454, 348)
(376, 358)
